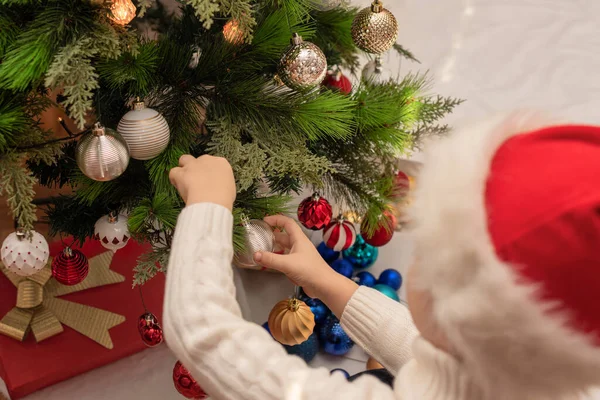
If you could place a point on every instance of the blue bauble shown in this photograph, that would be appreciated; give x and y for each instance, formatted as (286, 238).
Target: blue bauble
(343, 267)
(333, 338)
(392, 278)
(388, 291)
(342, 371)
(319, 309)
(365, 278)
(328, 254)
(307, 350)
(361, 255)
(266, 326)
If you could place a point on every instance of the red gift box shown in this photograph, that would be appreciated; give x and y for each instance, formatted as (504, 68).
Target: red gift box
(29, 366)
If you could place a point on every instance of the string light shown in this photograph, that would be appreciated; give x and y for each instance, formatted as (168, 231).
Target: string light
(232, 32)
(122, 11)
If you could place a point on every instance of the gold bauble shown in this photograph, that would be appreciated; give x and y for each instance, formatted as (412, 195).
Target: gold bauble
(374, 29)
(353, 217)
(291, 322)
(373, 364)
(122, 11)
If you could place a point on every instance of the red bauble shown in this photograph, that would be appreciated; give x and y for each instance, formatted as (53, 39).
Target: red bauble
(70, 267)
(150, 330)
(185, 384)
(337, 81)
(401, 185)
(314, 212)
(383, 234)
(339, 235)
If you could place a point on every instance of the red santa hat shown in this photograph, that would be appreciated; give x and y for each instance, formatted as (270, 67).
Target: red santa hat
(507, 229)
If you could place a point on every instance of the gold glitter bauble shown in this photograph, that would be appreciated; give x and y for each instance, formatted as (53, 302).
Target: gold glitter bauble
(303, 66)
(374, 29)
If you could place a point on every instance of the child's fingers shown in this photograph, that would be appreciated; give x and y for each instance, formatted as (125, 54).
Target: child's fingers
(174, 173)
(283, 239)
(290, 226)
(274, 261)
(185, 159)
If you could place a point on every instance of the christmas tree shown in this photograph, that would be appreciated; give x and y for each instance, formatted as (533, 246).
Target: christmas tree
(214, 70)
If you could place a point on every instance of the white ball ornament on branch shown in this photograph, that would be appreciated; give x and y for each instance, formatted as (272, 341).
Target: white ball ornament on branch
(376, 72)
(326, 5)
(112, 231)
(258, 236)
(102, 154)
(24, 255)
(374, 29)
(145, 130)
(303, 65)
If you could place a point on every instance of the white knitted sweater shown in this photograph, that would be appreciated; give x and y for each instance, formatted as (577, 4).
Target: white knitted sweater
(233, 359)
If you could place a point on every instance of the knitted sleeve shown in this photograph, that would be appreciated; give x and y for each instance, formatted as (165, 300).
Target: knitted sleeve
(381, 326)
(233, 359)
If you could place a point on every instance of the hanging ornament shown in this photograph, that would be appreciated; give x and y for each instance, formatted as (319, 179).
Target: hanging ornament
(375, 72)
(337, 82)
(319, 310)
(102, 154)
(195, 58)
(333, 338)
(384, 232)
(24, 255)
(353, 217)
(373, 364)
(112, 232)
(343, 267)
(150, 330)
(145, 130)
(340, 371)
(391, 277)
(306, 350)
(329, 255)
(291, 322)
(258, 236)
(401, 186)
(365, 278)
(315, 212)
(232, 32)
(339, 234)
(122, 12)
(361, 255)
(303, 65)
(326, 5)
(374, 29)
(386, 290)
(70, 267)
(185, 384)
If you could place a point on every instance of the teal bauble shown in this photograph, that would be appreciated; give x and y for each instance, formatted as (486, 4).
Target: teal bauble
(361, 255)
(386, 290)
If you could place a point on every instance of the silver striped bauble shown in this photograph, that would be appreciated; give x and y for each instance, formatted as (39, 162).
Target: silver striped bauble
(145, 130)
(102, 154)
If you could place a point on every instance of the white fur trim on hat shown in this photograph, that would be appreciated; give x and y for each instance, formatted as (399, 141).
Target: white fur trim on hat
(505, 337)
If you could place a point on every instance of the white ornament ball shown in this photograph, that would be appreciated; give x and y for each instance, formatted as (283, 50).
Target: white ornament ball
(112, 231)
(102, 154)
(376, 72)
(326, 5)
(145, 130)
(25, 256)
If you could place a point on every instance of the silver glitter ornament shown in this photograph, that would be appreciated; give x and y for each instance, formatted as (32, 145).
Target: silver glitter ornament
(303, 66)
(326, 5)
(102, 154)
(374, 29)
(258, 236)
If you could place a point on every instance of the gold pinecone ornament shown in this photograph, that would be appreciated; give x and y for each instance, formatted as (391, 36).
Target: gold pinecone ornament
(374, 29)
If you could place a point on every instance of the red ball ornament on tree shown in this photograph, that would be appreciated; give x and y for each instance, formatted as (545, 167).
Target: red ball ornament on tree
(185, 384)
(337, 81)
(401, 186)
(314, 212)
(70, 267)
(384, 232)
(150, 330)
(340, 234)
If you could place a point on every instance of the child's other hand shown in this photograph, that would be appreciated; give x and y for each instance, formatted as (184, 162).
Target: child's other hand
(303, 265)
(205, 179)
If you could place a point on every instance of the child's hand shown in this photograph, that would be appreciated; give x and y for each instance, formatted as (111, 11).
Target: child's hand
(205, 179)
(305, 267)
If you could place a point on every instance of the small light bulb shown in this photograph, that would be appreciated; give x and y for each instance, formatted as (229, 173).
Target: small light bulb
(123, 11)
(232, 32)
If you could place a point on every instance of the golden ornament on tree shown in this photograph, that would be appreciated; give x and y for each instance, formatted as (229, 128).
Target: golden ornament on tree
(374, 29)
(232, 32)
(373, 364)
(291, 322)
(122, 11)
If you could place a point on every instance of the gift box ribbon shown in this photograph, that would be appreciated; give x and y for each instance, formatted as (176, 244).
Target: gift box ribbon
(38, 309)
